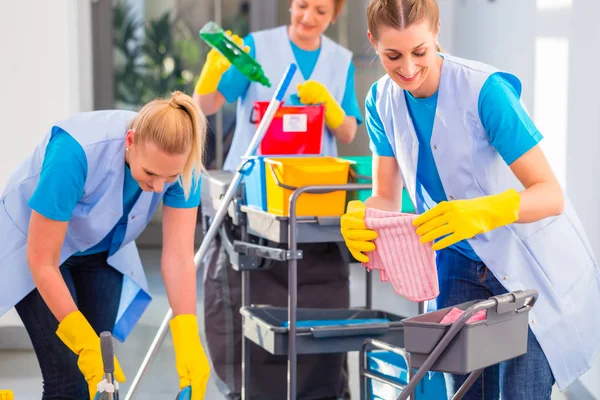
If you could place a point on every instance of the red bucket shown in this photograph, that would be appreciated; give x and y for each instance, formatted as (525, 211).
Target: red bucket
(294, 129)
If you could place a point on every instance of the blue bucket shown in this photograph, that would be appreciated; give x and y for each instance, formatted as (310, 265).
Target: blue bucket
(255, 187)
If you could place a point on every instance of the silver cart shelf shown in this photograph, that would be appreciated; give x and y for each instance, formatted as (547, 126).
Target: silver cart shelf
(308, 229)
(267, 327)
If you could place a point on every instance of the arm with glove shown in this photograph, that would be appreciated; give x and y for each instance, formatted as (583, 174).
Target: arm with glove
(463, 219)
(206, 95)
(44, 244)
(342, 126)
(453, 221)
(79, 336)
(514, 135)
(179, 274)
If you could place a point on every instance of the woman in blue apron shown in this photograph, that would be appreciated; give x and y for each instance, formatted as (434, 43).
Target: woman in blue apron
(70, 215)
(326, 75)
(455, 134)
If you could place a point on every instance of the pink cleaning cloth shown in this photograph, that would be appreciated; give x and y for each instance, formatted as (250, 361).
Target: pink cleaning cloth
(400, 257)
(454, 313)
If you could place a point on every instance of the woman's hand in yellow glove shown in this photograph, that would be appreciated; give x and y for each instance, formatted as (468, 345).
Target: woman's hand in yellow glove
(79, 336)
(357, 236)
(463, 219)
(313, 92)
(191, 361)
(214, 67)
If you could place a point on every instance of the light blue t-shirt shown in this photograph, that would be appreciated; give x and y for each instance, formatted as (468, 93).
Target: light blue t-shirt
(510, 129)
(61, 184)
(234, 84)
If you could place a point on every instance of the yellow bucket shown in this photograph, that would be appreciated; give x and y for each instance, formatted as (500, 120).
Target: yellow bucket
(306, 171)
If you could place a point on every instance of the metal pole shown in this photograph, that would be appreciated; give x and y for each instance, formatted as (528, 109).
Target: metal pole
(292, 296)
(245, 342)
(365, 374)
(369, 285)
(363, 367)
(108, 359)
(218, 219)
(293, 274)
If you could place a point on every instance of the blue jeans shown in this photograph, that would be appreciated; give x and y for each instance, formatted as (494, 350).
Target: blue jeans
(96, 289)
(527, 377)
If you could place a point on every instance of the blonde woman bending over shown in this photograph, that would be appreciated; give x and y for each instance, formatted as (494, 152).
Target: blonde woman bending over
(70, 215)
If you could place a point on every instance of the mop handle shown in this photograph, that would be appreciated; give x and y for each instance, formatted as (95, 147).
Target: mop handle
(108, 358)
(271, 110)
(261, 131)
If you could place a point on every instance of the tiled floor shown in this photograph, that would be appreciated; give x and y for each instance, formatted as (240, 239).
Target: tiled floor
(19, 370)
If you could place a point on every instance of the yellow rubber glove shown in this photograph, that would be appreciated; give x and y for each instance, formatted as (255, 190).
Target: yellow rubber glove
(313, 92)
(79, 336)
(357, 236)
(214, 67)
(7, 395)
(191, 362)
(463, 219)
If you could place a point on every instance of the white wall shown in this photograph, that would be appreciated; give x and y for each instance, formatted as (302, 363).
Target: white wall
(552, 46)
(46, 70)
(447, 29)
(551, 50)
(583, 148)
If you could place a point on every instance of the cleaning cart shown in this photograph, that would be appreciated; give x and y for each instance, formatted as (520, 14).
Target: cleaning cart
(382, 338)
(291, 330)
(417, 342)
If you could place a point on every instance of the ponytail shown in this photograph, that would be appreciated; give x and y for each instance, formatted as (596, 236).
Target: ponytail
(176, 126)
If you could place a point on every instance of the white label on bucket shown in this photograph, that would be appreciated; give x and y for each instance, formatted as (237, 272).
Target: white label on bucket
(295, 122)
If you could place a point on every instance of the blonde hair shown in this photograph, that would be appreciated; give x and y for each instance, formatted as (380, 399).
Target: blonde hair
(400, 14)
(175, 126)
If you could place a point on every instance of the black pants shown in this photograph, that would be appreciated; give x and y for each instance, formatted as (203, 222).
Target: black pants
(96, 289)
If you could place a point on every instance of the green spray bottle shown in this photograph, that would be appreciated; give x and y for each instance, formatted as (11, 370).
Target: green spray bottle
(212, 34)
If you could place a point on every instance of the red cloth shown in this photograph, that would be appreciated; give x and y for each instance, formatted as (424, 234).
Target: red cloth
(454, 313)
